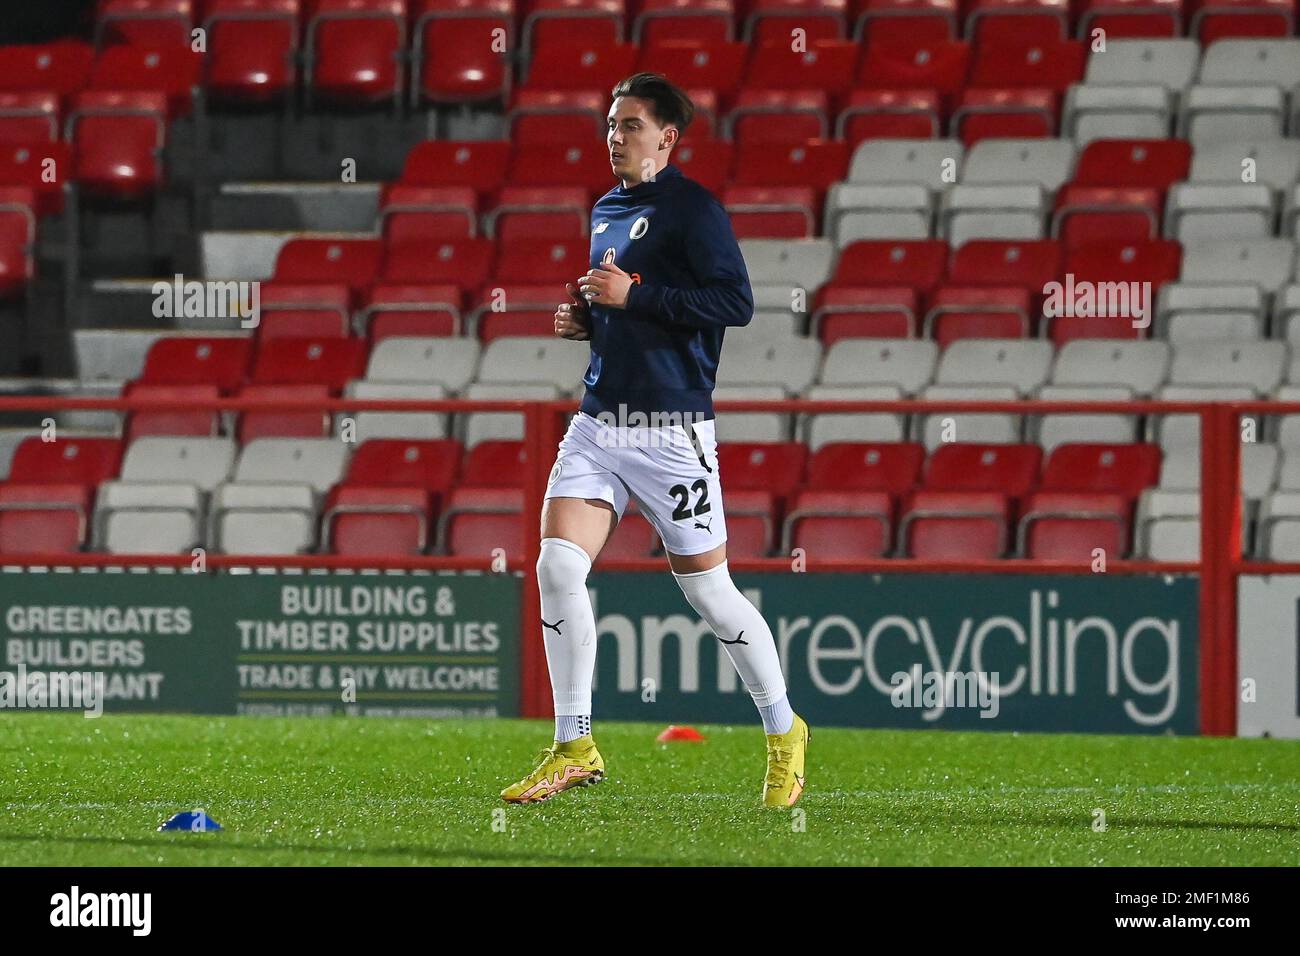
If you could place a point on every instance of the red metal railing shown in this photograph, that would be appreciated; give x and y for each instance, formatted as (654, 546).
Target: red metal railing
(1221, 560)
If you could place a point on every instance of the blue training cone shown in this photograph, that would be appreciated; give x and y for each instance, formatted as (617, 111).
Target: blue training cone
(193, 821)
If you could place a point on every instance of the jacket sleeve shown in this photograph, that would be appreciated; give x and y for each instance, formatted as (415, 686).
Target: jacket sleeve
(724, 297)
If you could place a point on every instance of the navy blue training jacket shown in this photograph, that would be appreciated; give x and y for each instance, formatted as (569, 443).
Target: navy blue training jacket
(661, 352)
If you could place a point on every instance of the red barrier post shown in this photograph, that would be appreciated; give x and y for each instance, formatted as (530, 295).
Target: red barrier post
(1220, 556)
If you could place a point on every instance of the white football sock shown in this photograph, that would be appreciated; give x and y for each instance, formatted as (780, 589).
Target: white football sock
(568, 727)
(569, 631)
(778, 718)
(743, 632)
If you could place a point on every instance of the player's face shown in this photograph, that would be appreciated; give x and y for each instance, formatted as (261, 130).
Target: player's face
(638, 145)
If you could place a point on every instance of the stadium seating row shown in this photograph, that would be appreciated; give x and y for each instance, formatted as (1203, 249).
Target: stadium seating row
(847, 500)
(277, 496)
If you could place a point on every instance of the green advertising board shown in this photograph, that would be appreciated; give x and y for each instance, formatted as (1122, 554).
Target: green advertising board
(1090, 653)
(392, 644)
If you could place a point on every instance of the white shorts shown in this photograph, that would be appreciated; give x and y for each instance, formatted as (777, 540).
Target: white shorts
(670, 470)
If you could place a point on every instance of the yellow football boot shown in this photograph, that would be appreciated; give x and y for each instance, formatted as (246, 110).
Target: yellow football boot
(562, 766)
(785, 765)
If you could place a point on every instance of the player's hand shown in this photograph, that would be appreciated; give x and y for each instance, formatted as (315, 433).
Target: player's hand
(606, 285)
(573, 319)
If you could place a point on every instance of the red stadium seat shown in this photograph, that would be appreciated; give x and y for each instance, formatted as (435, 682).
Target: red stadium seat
(43, 168)
(1131, 18)
(1097, 213)
(771, 212)
(72, 461)
(772, 20)
(310, 361)
(749, 523)
(818, 163)
(890, 114)
(547, 22)
(195, 360)
(840, 524)
(1026, 64)
(304, 309)
(144, 22)
(367, 520)
(991, 312)
(252, 49)
(45, 518)
(875, 288)
(707, 161)
(918, 264)
(480, 164)
(825, 65)
(534, 262)
(1005, 114)
(466, 263)
(775, 467)
(29, 116)
(455, 58)
(515, 308)
(1031, 21)
(557, 116)
(62, 67)
(17, 240)
(495, 464)
(962, 466)
(1070, 526)
(536, 212)
(671, 21)
(1102, 469)
(1156, 261)
(577, 63)
(716, 65)
(1140, 163)
(1222, 19)
(778, 117)
(585, 165)
(431, 465)
(355, 50)
(479, 522)
(173, 71)
(1028, 263)
(940, 65)
(355, 262)
(118, 140)
(197, 422)
(890, 467)
(280, 423)
(904, 21)
(954, 525)
(419, 213)
(399, 309)
(853, 311)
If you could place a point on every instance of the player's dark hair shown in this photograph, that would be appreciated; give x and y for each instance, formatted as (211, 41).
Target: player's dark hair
(668, 104)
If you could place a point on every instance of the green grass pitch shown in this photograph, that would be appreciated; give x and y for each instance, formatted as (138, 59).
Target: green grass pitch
(382, 792)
